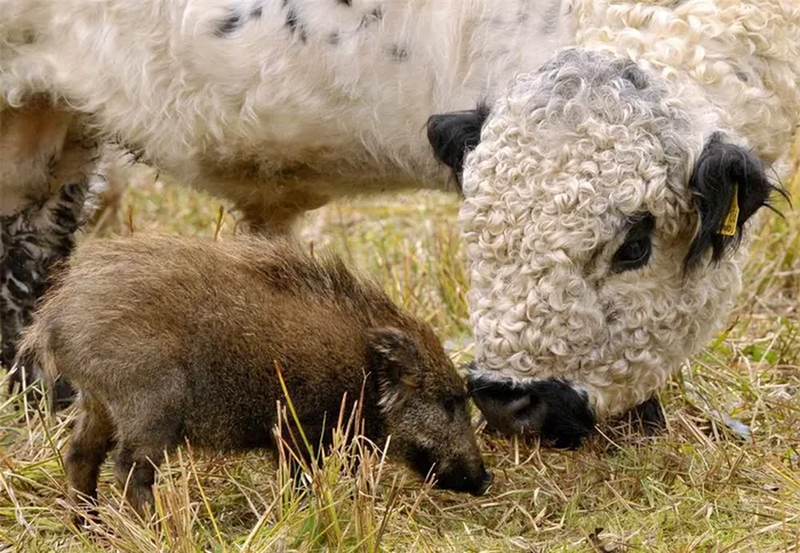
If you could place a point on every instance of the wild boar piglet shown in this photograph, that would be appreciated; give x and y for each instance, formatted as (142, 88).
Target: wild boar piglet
(167, 339)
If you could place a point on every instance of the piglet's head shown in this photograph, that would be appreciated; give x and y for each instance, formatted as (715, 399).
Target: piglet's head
(424, 405)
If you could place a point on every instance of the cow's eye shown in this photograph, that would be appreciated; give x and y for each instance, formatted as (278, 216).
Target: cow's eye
(632, 255)
(635, 251)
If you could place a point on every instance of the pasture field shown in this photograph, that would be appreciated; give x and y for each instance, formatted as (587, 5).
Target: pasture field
(724, 476)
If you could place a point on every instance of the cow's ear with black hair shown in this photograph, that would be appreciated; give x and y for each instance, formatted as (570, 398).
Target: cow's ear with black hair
(729, 185)
(454, 134)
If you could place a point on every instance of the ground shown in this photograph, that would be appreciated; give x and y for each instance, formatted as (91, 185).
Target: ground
(724, 476)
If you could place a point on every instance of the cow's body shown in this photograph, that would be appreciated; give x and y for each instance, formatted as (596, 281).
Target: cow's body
(279, 106)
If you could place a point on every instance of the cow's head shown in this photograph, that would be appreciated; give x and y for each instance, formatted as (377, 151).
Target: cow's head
(603, 213)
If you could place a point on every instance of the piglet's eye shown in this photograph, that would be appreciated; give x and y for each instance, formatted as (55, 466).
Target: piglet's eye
(453, 403)
(635, 251)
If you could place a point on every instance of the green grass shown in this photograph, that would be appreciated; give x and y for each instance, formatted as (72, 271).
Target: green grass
(725, 476)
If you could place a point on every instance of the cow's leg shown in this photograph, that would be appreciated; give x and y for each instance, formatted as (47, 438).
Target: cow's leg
(33, 241)
(45, 175)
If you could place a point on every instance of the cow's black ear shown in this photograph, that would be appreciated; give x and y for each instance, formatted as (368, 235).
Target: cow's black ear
(454, 134)
(729, 185)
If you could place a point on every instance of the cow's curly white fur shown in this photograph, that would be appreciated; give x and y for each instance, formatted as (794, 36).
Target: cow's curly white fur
(281, 106)
(571, 151)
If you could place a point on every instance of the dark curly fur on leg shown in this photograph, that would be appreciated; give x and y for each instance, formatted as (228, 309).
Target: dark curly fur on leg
(31, 242)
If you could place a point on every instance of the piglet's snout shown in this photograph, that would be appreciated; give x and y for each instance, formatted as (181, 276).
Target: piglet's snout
(476, 483)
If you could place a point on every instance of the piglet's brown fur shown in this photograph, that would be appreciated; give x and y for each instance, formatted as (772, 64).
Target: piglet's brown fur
(168, 338)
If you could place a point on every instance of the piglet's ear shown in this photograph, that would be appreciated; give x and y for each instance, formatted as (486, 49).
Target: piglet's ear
(393, 356)
(454, 134)
(729, 185)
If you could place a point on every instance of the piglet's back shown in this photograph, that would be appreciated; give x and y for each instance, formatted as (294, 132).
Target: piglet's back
(194, 317)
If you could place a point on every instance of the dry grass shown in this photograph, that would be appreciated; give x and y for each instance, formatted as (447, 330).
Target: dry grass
(724, 477)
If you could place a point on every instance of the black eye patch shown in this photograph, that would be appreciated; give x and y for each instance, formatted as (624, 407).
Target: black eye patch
(635, 251)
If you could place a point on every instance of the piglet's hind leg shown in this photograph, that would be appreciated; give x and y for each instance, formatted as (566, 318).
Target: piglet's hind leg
(92, 438)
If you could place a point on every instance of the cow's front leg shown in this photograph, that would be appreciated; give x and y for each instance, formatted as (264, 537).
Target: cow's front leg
(33, 241)
(45, 169)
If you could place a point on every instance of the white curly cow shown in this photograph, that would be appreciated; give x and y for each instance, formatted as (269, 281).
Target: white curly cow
(617, 151)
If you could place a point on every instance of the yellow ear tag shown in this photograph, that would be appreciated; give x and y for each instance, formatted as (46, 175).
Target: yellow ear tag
(729, 225)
